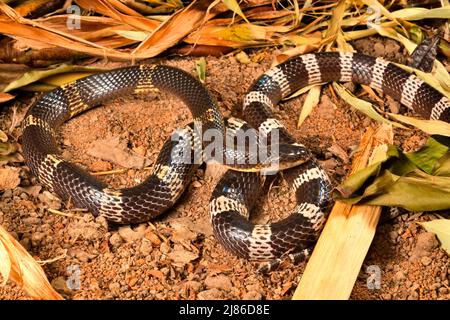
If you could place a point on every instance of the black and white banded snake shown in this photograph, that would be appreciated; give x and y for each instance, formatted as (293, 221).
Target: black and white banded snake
(234, 195)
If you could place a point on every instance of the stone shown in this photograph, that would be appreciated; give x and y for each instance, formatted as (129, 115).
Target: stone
(221, 282)
(115, 240)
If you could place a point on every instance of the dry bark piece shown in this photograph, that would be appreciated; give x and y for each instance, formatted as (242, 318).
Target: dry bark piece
(339, 152)
(182, 256)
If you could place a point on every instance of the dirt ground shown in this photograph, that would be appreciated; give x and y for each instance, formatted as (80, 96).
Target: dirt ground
(176, 256)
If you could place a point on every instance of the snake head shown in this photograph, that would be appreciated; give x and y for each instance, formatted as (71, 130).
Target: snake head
(285, 156)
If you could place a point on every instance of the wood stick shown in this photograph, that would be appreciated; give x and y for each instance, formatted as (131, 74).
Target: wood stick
(340, 251)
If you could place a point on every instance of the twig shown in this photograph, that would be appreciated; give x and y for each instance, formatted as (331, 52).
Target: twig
(60, 257)
(69, 215)
(104, 173)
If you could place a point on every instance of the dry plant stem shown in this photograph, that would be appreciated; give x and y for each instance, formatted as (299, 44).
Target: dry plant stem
(339, 254)
(20, 267)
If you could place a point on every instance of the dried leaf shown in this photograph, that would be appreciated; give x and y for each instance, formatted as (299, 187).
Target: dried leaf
(362, 105)
(176, 28)
(235, 36)
(5, 97)
(428, 126)
(37, 8)
(397, 180)
(19, 266)
(181, 256)
(311, 101)
(234, 6)
(3, 136)
(335, 23)
(133, 35)
(129, 17)
(5, 264)
(412, 14)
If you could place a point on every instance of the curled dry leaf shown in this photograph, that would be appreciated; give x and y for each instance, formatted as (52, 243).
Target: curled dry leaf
(5, 97)
(177, 27)
(182, 256)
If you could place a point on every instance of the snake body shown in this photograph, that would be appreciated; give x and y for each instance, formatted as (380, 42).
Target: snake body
(235, 193)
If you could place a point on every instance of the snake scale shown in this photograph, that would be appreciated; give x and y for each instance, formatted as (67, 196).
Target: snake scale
(234, 196)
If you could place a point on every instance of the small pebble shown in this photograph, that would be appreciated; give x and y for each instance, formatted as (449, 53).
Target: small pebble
(425, 261)
(386, 296)
(211, 294)
(443, 290)
(153, 238)
(399, 276)
(7, 193)
(196, 184)
(60, 285)
(413, 296)
(115, 240)
(114, 287)
(194, 286)
(82, 256)
(252, 295)
(129, 235)
(146, 247)
(37, 237)
(221, 282)
(132, 281)
(52, 201)
(31, 221)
